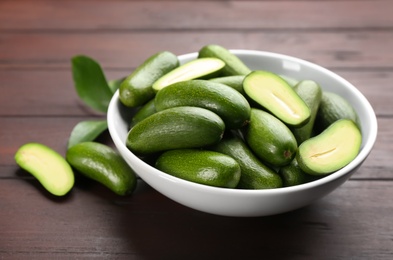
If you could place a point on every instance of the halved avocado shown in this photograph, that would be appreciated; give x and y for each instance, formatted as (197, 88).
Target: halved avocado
(191, 70)
(47, 166)
(274, 94)
(331, 150)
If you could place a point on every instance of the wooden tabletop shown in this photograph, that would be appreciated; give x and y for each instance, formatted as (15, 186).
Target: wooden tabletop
(38, 103)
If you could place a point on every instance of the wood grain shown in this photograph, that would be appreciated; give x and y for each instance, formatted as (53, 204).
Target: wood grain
(38, 103)
(360, 50)
(187, 15)
(113, 227)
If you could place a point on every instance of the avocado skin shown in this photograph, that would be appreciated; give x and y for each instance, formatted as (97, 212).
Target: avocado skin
(175, 128)
(136, 89)
(332, 108)
(235, 82)
(293, 175)
(201, 166)
(254, 173)
(226, 102)
(311, 93)
(145, 111)
(234, 66)
(104, 165)
(270, 139)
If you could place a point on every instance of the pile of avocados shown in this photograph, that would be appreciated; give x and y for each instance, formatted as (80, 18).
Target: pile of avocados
(216, 122)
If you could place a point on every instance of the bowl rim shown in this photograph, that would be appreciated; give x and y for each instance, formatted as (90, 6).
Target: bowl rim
(359, 159)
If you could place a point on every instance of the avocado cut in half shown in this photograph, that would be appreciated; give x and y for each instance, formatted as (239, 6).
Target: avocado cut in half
(47, 166)
(274, 94)
(331, 150)
(194, 69)
(136, 89)
(233, 64)
(236, 81)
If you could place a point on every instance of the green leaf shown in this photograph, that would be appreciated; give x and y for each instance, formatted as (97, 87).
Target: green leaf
(87, 131)
(114, 84)
(90, 83)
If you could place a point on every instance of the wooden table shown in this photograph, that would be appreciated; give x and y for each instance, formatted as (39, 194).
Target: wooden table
(38, 103)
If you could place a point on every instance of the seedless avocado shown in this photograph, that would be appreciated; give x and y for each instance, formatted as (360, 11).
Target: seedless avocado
(293, 175)
(332, 108)
(175, 128)
(270, 139)
(311, 93)
(331, 150)
(235, 82)
(201, 166)
(275, 95)
(137, 88)
(233, 65)
(254, 173)
(194, 69)
(47, 166)
(226, 102)
(145, 111)
(104, 165)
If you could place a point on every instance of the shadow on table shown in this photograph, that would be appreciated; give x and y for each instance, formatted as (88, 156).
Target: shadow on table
(158, 228)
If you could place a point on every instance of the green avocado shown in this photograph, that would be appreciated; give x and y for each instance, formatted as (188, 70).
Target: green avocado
(101, 163)
(274, 94)
(255, 174)
(145, 111)
(332, 108)
(233, 65)
(235, 82)
(198, 68)
(270, 139)
(226, 102)
(175, 128)
(331, 150)
(47, 166)
(311, 93)
(137, 88)
(293, 175)
(201, 166)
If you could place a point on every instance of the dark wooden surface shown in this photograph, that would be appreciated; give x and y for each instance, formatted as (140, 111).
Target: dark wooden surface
(38, 103)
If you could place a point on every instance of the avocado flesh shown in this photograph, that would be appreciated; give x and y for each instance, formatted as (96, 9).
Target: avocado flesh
(233, 64)
(47, 166)
(274, 94)
(190, 70)
(331, 150)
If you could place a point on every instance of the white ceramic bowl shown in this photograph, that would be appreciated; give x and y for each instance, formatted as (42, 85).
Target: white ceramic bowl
(233, 202)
